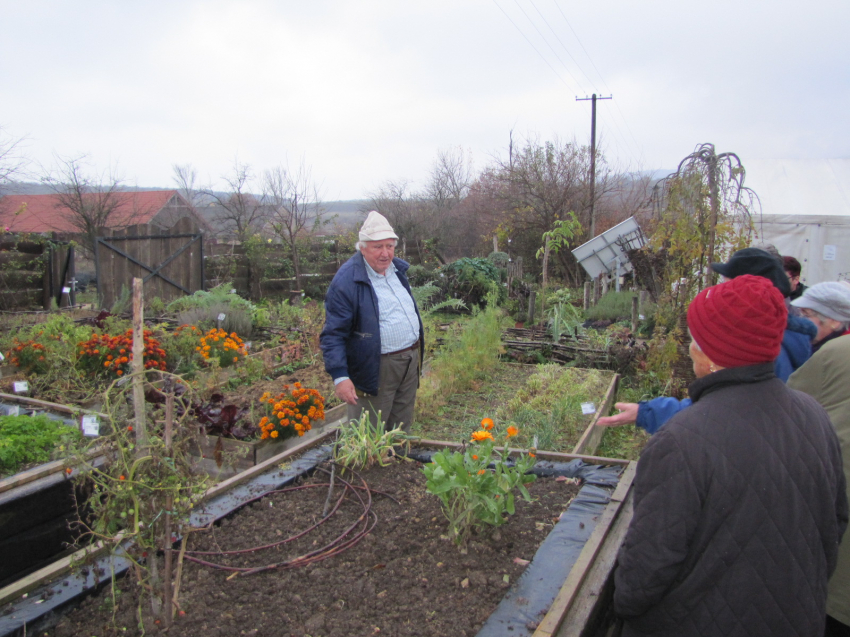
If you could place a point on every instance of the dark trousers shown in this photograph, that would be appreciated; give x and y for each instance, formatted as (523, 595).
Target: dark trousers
(397, 384)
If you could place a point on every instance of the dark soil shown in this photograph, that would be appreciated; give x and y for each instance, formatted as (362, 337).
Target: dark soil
(403, 578)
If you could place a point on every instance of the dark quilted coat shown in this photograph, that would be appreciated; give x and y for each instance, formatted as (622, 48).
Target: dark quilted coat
(740, 505)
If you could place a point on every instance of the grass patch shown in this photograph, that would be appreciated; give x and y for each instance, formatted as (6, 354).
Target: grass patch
(548, 407)
(465, 359)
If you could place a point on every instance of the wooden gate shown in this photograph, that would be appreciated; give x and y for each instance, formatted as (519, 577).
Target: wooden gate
(170, 263)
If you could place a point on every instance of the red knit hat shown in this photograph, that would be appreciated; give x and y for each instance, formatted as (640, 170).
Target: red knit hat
(739, 322)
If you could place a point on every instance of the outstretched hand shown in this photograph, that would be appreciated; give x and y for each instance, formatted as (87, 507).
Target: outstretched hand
(627, 416)
(345, 392)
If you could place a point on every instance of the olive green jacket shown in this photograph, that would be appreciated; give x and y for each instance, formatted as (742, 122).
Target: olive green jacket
(826, 377)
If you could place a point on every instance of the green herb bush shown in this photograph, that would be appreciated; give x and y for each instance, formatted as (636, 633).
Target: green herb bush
(476, 486)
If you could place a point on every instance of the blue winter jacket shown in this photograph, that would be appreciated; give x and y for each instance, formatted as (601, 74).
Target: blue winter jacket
(351, 338)
(796, 350)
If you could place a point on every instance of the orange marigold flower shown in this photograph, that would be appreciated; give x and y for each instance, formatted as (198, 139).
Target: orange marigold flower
(481, 472)
(274, 434)
(512, 431)
(119, 372)
(487, 423)
(479, 436)
(474, 457)
(532, 455)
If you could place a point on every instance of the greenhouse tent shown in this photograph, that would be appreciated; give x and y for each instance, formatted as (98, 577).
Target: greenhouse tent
(806, 212)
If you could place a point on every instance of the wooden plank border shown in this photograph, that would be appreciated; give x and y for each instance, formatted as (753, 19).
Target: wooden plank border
(569, 593)
(592, 436)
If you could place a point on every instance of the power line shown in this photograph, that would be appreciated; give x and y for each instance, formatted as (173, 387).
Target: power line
(547, 42)
(533, 47)
(605, 84)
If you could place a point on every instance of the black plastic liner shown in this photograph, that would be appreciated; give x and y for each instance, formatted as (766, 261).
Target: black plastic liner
(518, 614)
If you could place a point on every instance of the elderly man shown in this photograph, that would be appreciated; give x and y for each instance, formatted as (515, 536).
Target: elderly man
(372, 341)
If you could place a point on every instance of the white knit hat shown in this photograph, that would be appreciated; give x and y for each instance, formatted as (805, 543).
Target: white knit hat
(376, 228)
(830, 298)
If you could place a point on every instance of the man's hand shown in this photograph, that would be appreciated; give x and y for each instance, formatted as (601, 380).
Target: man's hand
(345, 392)
(627, 416)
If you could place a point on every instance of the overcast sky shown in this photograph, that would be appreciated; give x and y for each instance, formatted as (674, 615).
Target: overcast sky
(368, 91)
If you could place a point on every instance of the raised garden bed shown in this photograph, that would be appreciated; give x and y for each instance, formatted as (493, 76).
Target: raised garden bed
(514, 388)
(37, 504)
(279, 602)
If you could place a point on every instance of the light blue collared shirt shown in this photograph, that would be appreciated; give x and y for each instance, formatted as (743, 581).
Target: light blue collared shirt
(397, 318)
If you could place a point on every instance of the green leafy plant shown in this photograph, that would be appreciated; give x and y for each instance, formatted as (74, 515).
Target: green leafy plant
(476, 486)
(563, 317)
(32, 440)
(362, 443)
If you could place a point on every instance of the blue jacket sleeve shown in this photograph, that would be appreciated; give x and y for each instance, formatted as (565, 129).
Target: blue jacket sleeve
(654, 413)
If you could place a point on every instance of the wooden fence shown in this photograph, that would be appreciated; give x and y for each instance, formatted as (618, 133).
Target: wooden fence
(171, 263)
(35, 272)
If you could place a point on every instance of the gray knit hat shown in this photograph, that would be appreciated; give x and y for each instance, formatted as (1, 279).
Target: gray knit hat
(831, 298)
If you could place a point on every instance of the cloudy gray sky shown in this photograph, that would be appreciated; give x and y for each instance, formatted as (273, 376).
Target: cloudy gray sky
(370, 91)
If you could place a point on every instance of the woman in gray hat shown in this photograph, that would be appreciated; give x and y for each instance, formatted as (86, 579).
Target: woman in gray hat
(826, 377)
(827, 305)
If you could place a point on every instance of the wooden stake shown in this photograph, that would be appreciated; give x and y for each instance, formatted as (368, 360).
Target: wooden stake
(139, 369)
(634, 314)
(168, 605)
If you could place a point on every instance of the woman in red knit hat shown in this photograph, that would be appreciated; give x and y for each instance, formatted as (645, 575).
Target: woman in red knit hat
(740, 500)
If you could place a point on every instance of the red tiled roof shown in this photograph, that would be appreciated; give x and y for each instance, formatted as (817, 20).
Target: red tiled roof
(44, 213)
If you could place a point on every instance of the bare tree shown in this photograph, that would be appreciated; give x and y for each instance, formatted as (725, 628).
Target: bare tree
(539, 185)
(240, 212)
(294, 208)
(451, 177)
(185, 176)
(12, 159)
(402, 207)
(91, 202)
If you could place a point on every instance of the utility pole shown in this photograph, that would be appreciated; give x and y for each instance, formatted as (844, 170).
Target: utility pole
(593, 157)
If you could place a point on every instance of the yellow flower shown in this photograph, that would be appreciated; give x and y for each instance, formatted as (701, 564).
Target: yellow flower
(512, 431)
(479, 436)
(487, 423)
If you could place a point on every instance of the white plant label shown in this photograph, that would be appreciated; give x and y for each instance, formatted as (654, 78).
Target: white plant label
(221, 316)
(14, 411)
(21, 387)
(66, 290)
(588, 408)
(233, 291)
(91, 426)
(2, 358)
(829, 253)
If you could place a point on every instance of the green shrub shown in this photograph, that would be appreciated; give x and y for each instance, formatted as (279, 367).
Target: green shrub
(202, 309)
(470, 280)
(613, 306)
(499, 259)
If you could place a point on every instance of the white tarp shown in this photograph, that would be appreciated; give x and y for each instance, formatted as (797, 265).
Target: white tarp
(821, 243)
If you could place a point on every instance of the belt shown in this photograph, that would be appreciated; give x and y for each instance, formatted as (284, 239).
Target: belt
(414, 346)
